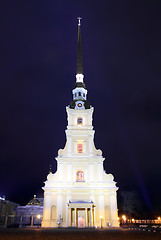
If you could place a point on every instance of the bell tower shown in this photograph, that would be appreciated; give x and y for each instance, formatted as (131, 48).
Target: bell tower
(80, 193)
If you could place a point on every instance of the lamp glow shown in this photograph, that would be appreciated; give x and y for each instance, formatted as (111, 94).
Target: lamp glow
(124, 217)
(38, 216)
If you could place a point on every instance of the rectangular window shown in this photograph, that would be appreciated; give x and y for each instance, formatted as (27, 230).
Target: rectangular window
(79, 148)
(79, 93)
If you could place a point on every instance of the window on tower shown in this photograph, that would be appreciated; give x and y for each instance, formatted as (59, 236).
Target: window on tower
(79, 121)
(79, 147)
(83, 94)
(79, 93)
(80, 176)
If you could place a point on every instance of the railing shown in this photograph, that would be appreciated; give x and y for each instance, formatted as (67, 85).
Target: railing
(20, 221)
(140, 221)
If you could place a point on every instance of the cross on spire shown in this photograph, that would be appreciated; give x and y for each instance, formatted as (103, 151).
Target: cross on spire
(79, 21)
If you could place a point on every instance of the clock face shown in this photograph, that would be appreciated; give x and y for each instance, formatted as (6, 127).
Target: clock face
(79, 104)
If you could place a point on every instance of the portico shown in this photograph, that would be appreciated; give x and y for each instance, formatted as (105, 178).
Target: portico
(80, 214)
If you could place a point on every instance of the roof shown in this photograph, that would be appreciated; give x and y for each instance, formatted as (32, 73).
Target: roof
(79, 53)
(80, 201)
(79, 85)
(86, 103)
(36, 201)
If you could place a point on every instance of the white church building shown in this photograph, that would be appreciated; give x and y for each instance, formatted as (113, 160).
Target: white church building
(80, 193)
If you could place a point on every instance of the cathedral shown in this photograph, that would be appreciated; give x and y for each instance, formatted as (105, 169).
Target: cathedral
(80, 193)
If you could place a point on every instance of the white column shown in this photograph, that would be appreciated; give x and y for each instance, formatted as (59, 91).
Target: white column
(114, 213)
(32, 221)
(100, 171)
(86, 217)
(59, 205)
(60, 170)
(75, 217)
(101, 208)
(91, 214)
(75, 147)
(91, 172)
(20, 222)
(47, 207)
(69, 145)
(69, 217)
(69, 172)
(5, 223)
(67, 223)
(84, 146)
(90, 145)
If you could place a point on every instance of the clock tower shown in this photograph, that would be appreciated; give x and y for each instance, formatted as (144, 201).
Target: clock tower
(79, 91)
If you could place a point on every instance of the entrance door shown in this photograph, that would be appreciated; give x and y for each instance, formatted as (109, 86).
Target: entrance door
(81, 218)
(81, 222)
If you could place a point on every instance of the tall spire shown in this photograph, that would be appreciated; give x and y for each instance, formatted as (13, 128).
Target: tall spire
(79, 52)
(79, 92)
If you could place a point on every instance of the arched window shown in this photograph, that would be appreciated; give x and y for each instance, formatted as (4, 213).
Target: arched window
(107, 214)
(79, 147)
(79, 121)
(53, 212)
(80, 176)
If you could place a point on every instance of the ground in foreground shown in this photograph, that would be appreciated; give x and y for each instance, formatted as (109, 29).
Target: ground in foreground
(75, 234)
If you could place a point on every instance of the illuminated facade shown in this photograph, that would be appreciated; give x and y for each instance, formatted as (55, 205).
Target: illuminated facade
(80, 193)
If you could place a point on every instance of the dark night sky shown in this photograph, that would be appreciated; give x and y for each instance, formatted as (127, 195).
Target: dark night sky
(121, 59)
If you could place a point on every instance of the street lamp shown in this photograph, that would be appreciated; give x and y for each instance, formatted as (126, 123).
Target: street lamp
(38, 216)
(60, 220)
